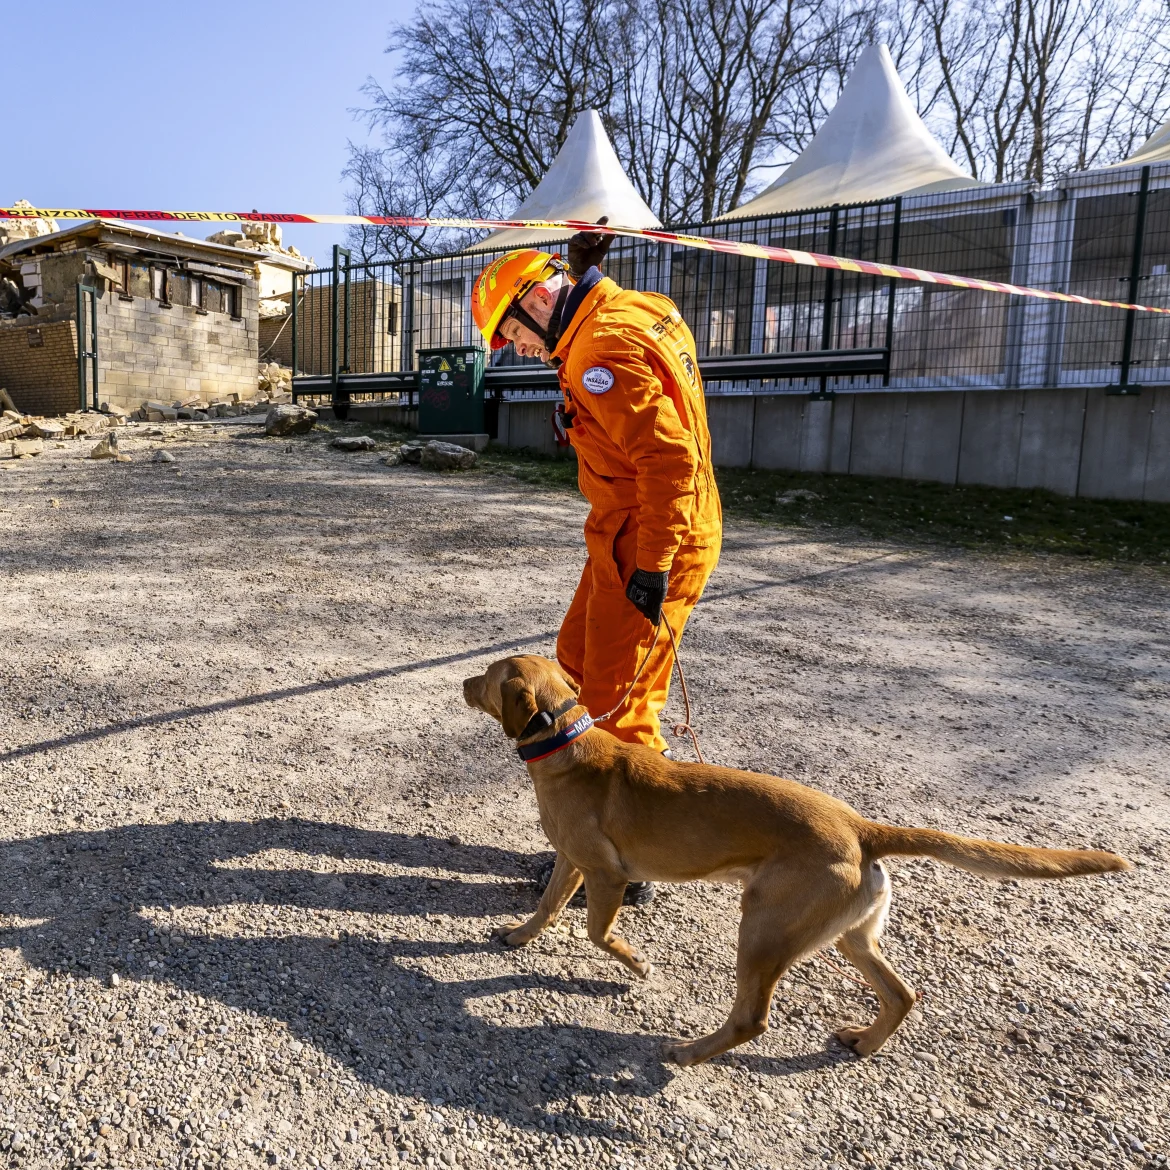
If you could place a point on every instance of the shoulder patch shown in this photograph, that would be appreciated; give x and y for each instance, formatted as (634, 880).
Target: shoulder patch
(597, 379)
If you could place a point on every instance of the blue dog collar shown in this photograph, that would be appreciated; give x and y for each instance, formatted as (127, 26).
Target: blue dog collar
(532, 752)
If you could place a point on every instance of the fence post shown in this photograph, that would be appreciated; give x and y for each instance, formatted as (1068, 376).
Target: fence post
(87, 344)
(1124, 386)
(895, 242)
(295, 277)
(82, 396)
(339, 364)
(827, 311)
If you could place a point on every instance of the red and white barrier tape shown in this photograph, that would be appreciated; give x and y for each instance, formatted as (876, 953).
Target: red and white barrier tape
(708, 243)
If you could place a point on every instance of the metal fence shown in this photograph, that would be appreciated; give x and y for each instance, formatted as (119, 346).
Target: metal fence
(763, 327)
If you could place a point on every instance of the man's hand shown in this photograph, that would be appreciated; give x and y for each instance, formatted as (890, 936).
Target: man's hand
(647, 591)
(588, 249)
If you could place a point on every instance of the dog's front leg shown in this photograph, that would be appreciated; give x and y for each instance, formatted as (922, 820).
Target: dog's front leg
(566, 877)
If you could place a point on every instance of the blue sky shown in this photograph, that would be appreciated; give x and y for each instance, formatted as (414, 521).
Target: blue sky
(219, 107)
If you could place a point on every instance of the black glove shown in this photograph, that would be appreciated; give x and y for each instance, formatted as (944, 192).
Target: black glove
(588, 249)
(647, 591)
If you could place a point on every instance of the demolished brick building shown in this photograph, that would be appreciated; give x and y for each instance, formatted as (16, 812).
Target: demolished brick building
(177, 318)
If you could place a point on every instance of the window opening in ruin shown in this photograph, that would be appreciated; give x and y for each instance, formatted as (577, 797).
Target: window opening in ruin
(158, 286)
(196, 293)
(124, 293)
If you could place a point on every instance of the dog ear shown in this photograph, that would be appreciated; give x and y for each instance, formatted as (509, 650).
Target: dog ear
(574, 685)
(517, 706)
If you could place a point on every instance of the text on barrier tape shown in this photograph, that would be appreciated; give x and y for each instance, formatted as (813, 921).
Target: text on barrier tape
(707, 243)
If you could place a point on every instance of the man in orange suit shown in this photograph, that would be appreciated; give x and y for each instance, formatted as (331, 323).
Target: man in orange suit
(635, 414)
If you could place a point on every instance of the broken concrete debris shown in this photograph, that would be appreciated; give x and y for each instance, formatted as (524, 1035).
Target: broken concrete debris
(439, 456)
(45, 428)
(435, 455)
(161, 456)
(274, 379)
(20, 448)
(289, 419)
(410, 452)
(353, 443)
(25, 229)
(106, 447)
(22, 434)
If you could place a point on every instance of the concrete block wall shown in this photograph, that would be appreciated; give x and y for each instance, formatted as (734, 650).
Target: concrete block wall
(38, 365)
(150, 351)
(1070, 441)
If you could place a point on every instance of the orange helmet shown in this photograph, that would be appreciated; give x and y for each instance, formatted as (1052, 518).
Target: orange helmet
(502, 283)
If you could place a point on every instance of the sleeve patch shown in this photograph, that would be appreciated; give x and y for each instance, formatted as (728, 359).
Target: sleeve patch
(597, 379)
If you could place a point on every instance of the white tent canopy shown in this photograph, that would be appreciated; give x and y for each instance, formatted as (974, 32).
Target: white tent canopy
(1155, 149)
(873, 145)
(585, 181)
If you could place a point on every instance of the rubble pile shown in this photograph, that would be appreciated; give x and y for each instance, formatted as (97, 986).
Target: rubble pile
(275, 381)
(12, 230)
(273, 386)
(22, 435)
(196, 410)
(256, 237)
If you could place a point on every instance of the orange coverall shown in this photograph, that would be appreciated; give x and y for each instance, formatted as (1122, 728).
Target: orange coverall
(639, 426)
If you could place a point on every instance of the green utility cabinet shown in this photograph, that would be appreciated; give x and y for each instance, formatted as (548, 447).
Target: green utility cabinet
(450, 384)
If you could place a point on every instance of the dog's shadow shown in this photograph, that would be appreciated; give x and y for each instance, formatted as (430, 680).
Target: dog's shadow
(90, 901)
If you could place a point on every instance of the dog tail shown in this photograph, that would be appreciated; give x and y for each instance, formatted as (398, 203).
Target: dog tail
(992, 859)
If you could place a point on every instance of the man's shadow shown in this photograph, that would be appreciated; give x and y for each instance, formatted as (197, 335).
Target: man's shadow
(366, 1002)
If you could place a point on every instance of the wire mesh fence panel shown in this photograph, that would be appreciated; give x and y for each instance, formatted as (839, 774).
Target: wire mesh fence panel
(953, 338)
(313, 352)
(1098, 266)
(912, 336)
(1150, 359)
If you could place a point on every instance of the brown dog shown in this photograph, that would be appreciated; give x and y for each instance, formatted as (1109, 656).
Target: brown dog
(809, 865)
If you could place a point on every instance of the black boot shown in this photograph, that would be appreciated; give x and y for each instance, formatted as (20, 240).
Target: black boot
(637, 893)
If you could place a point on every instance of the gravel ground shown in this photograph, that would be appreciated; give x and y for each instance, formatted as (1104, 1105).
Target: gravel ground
(253, 844)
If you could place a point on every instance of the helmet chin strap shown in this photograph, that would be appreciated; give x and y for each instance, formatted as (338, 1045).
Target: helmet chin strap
(551, 333)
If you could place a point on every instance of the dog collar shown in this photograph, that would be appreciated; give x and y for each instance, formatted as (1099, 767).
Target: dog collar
(531, 752)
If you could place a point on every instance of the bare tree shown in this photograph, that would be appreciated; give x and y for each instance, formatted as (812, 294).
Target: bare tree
(705, 98)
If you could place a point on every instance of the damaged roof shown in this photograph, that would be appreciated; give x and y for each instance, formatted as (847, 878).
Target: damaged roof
(130, 238)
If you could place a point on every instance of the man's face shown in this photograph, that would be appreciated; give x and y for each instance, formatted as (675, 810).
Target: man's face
(538, 303)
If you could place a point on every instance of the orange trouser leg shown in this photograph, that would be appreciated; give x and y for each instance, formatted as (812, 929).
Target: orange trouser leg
(603, 638)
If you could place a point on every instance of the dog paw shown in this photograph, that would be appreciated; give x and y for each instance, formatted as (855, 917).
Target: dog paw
(859, 1040)
(640, 965)
(681, 1052)
(510, 934)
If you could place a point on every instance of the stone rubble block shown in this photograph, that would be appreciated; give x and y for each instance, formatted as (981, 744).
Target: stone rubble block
(411, 452)
(287, 419)
(106, 447)
(439, 456)
(353, 443)
(45, 428)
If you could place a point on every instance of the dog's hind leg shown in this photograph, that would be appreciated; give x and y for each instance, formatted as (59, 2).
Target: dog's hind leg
(859, 945)
(566, 877)
(771, 939)
(603, 895)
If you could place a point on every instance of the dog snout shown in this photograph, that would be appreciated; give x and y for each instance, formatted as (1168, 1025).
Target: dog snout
(473, 691)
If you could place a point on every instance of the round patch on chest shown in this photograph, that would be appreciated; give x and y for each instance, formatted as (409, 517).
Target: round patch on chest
(597, 379)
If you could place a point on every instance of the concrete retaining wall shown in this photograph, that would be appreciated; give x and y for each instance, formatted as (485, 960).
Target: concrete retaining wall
(1073, 441)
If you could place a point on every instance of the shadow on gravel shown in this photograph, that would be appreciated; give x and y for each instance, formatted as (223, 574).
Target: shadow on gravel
(89, 892)
(216, 708)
